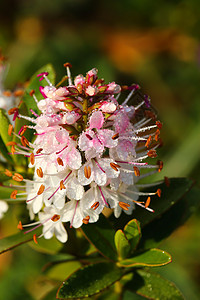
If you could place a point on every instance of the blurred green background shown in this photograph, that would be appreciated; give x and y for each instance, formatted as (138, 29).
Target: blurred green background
(153, 43)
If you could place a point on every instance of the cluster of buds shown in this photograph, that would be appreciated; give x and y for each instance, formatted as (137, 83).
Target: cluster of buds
(88, 153)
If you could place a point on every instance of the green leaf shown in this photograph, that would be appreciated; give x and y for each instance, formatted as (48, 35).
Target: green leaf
(4, 151)
(152, 286)
(122, 244)
(5, 138)
(161, 228)
(101, 235)
(63, 270)
(3, 177)
(51, 246)
(170, 195)
(133, 233)
(89, 281)
(149, 258)
(16, 240)
(34, 84)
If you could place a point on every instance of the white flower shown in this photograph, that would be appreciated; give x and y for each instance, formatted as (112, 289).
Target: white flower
(3, 208)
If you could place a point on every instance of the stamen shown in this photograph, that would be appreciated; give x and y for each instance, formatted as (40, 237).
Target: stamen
(136, 171)
(152, 153)
(11, 143)
(160, 165)
(12, 110)
(68, 66)
(32, 159)
(114, 166)
(10, 129)
(86, 220)
(8, 173)
(148, 202)
(159, 192)
(128, 97)
(13, 194)
(18, 93)
(24, 141)
(17, 177)
(115, 136)
(99, 166)
(55, 218)
(35, 239)
(39, 150)
(88, 136)
(41, 189)
(157, 135)
(148, 141)
(159, 124)
(124, 205)
(19, 226)
(22, 130)
(62, 186)
(60, 161)
(40, 172)
(95, 205)
(87, 172)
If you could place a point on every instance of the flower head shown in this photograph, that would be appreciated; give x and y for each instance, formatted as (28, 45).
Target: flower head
(88, 153)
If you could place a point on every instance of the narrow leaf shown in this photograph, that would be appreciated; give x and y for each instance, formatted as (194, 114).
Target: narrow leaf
(16, 240)
(89, 281)
(101, 235)
(178, 213)
(5, 138)
(151, 285)
(150, 258)
(133, 233)
(122, 244)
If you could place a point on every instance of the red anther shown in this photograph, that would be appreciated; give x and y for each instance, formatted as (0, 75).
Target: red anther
(55, 218)
(148, 142)
(124, 205)
(32, 158)
(62, 186)
(12, 110)
(86, 220)
(10, 129)
(159, 192)
(67, 64)
(87, 172)
(136, 171)
(159, 124)
(152, 153)
(115, 136)
(95, 205)
(11, 143)
(8, 173)
(35, 238)
(39, 172)
(17, 177)
(114, 166)
(24, 141)
(39, 150)
(41, 189)
(19, 93)
(19, 226)
(160, 165)
(13, 194)
(148, 202)
(7, 93)
(32, 92)
(60, 161)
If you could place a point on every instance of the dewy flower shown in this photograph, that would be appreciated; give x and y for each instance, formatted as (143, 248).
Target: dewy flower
(88, 153)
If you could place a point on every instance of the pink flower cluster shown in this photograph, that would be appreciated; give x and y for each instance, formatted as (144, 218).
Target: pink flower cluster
(88, 153)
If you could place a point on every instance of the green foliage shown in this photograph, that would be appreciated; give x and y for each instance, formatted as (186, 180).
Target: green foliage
(89, 281)
(152, 286)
